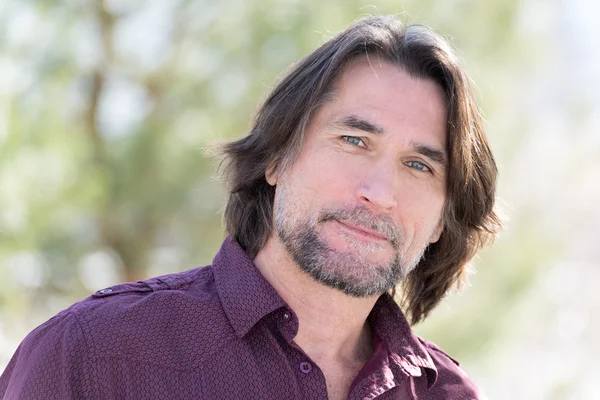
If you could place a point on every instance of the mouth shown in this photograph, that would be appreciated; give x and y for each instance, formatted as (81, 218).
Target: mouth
(361, 232)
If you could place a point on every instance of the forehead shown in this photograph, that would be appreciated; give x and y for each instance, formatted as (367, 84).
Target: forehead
(391, 98)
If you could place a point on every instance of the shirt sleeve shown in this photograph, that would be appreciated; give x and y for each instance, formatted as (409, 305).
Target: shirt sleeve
(52, 362)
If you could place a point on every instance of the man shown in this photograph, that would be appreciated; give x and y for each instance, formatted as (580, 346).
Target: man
(366, 169)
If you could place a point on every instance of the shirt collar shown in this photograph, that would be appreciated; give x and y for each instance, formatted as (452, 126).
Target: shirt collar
(245, 294)
(405, 348)
(247, 297)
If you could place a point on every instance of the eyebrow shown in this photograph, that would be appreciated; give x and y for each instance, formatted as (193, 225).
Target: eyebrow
(357, 123)
(354, 122)
(433, 153)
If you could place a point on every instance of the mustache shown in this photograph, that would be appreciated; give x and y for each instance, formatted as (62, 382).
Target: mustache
(364, 218)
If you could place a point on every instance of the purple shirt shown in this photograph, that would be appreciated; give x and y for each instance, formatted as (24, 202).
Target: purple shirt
(215, 332)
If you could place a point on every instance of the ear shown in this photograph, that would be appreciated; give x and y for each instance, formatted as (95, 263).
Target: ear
(271, 174)
(437, 233)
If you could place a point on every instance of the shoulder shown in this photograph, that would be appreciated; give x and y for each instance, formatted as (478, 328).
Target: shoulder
(40, 366)
(154, 296)
(439, 355)
(168, 296)
(173, 320)
(452, 381)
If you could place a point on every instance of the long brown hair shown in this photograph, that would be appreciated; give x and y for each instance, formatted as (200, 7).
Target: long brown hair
(277, 134)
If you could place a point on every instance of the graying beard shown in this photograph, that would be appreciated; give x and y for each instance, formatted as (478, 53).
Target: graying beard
(308, 251)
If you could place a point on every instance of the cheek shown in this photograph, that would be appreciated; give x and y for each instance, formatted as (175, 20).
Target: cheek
(325, 176)
(423, 204)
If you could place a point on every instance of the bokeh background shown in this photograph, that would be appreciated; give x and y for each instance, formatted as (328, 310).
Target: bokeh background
(107, 109)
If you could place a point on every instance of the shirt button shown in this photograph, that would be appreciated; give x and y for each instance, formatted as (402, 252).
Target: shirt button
(286, 316)
(306, 367)
(104, 291)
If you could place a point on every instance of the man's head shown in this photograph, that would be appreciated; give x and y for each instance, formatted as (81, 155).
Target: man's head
(364, 197)
(369, 163)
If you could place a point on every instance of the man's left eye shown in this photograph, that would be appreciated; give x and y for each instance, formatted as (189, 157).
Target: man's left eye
(419, 166)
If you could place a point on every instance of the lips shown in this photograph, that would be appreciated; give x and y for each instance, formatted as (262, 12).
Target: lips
(361, 231)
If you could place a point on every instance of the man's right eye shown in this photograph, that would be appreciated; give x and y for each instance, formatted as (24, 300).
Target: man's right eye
(355, 141)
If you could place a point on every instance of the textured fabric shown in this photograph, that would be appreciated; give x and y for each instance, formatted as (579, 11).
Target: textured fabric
(215, 332)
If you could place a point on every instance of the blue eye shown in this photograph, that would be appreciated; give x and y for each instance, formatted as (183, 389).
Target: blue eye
(419, 166)
(354, 140)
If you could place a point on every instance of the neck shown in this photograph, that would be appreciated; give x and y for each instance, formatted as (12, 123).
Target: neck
(332, 324)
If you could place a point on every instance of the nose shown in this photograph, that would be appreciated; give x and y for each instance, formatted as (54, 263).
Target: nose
(377, 190)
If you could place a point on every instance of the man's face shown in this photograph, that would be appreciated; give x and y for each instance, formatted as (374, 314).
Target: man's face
(365, 196)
